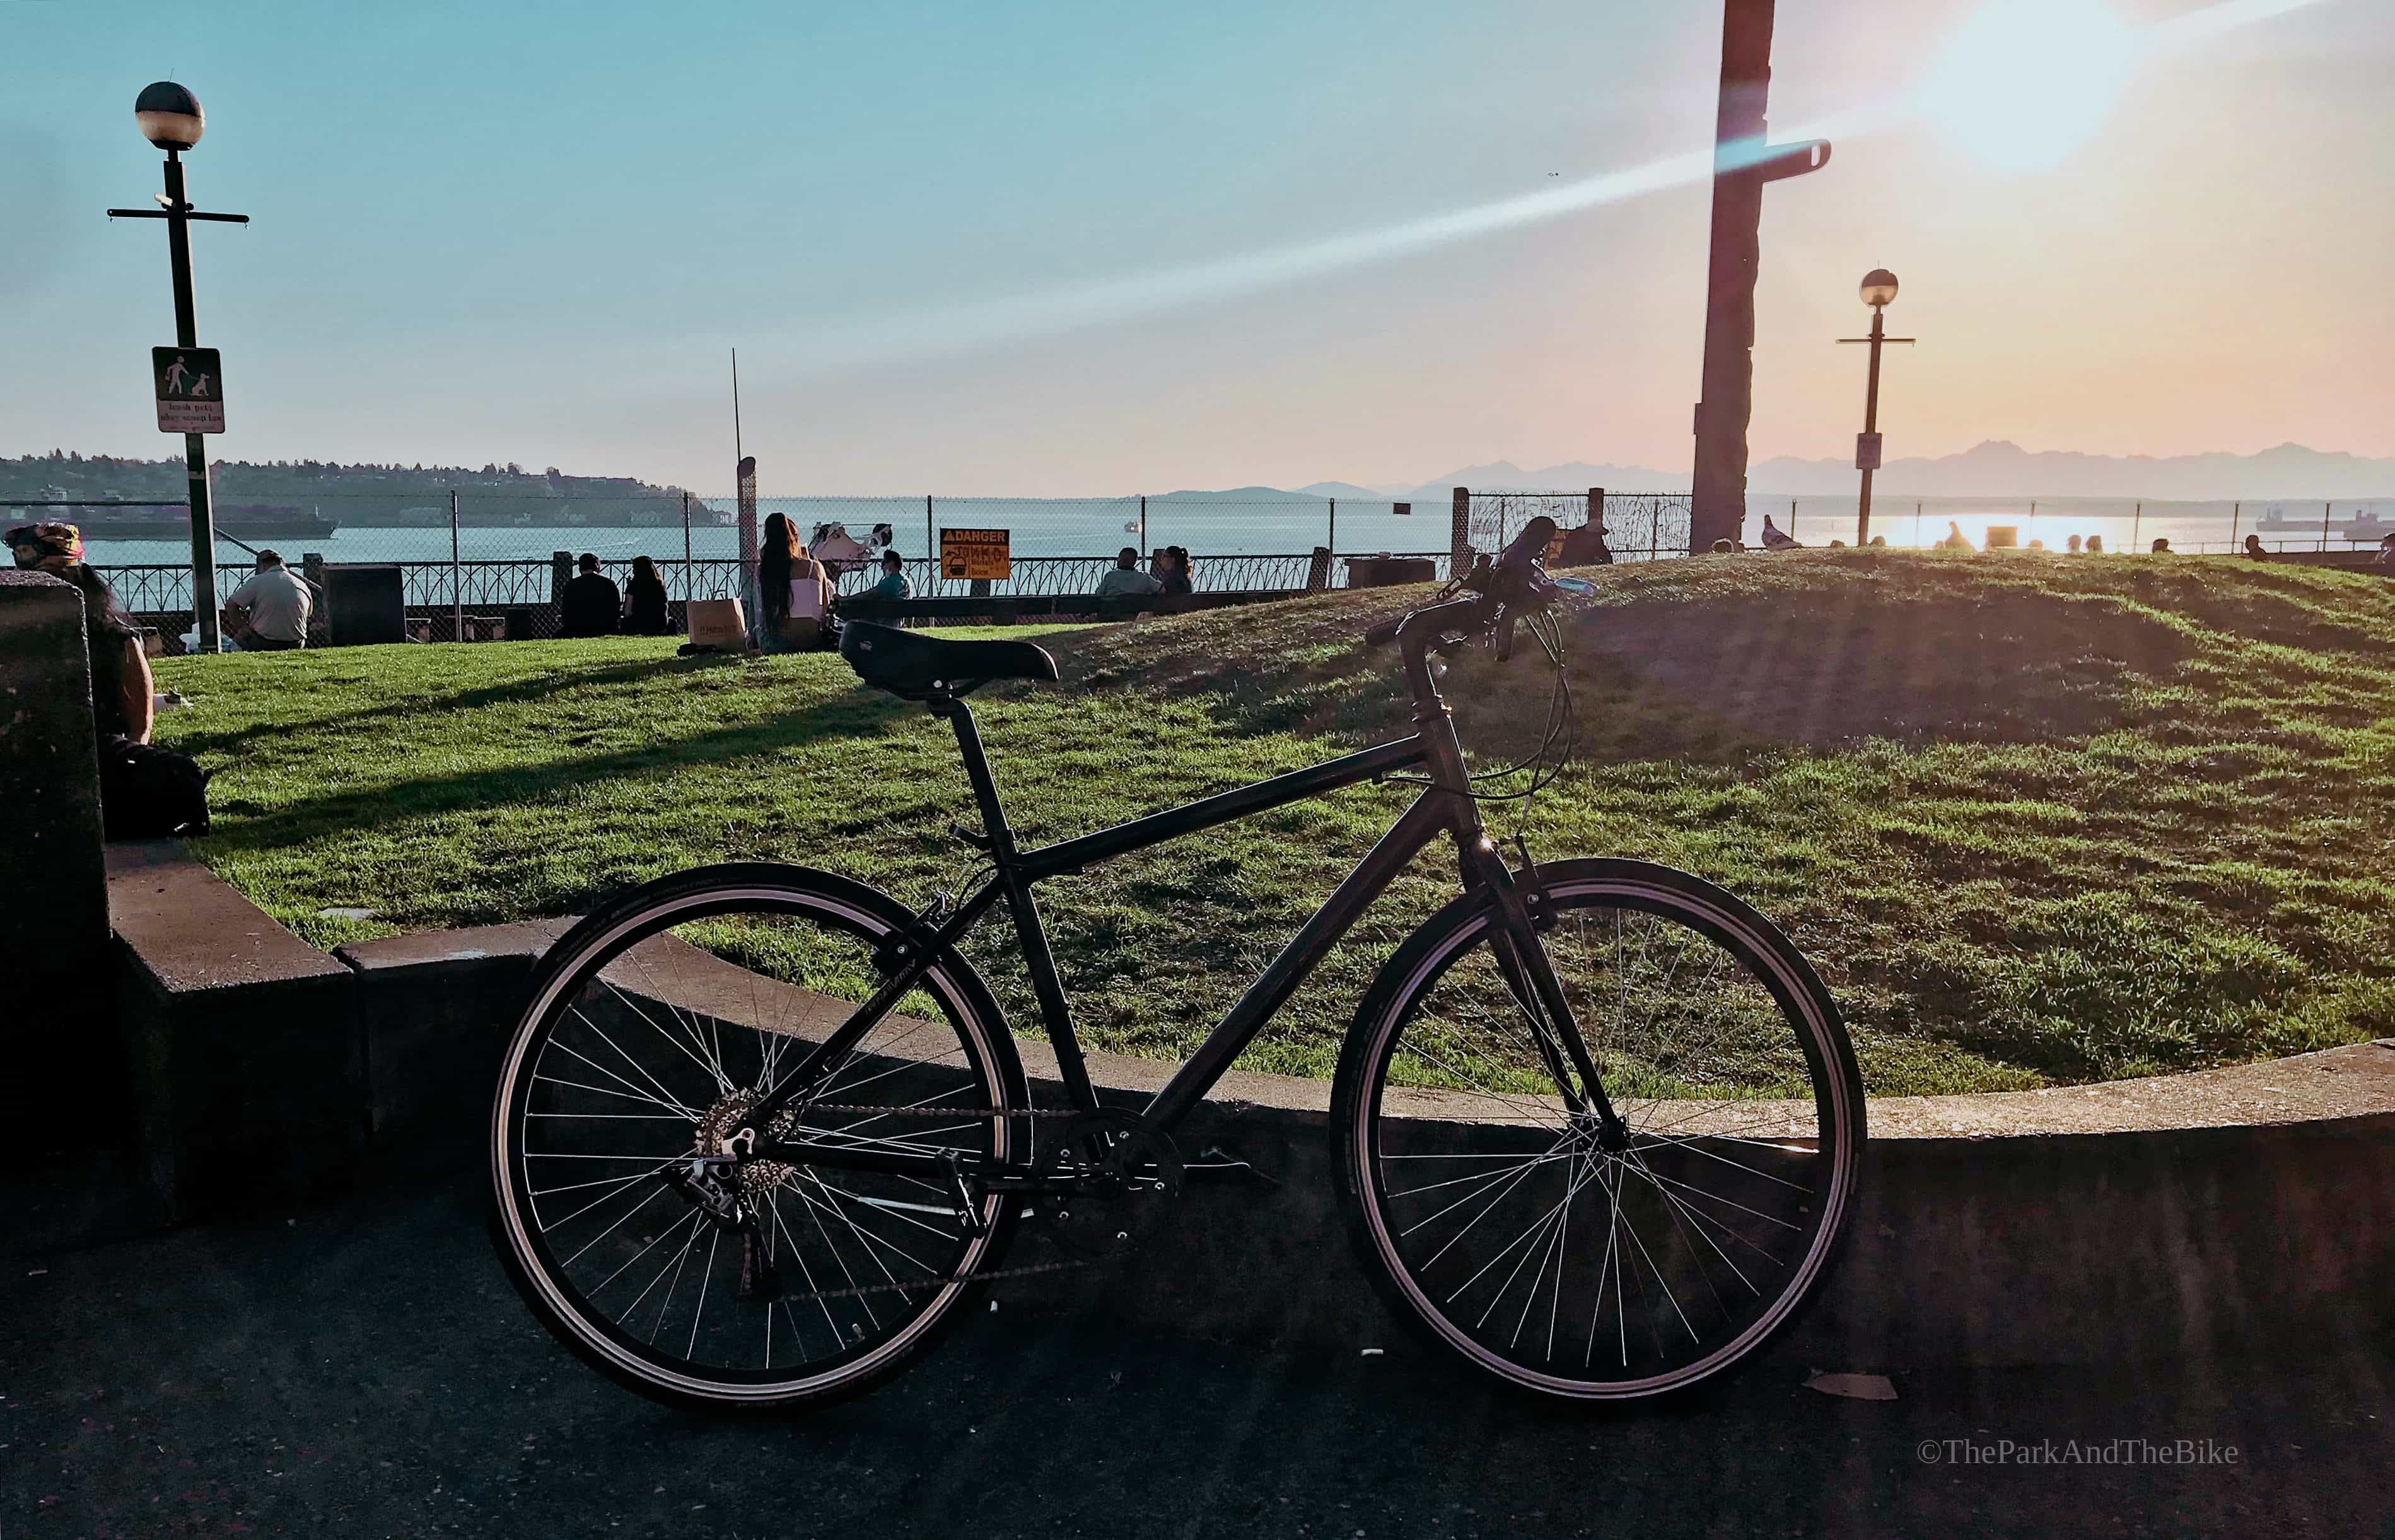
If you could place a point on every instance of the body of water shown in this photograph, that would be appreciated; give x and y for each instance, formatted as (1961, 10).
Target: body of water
(1100, 526)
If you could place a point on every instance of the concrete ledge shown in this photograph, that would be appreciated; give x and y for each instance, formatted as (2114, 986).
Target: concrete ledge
(247, 1070)
(2086, 1224)
(435, 1010)
(50, 867)
(2239, 1211)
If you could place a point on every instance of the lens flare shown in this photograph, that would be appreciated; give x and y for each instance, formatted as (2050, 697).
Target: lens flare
(2025, 83)
(2022, 86)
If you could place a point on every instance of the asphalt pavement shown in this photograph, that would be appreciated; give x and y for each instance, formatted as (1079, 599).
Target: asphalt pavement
(360, 1368)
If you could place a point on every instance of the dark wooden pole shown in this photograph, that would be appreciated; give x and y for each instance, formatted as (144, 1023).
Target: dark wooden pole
(1727, 400)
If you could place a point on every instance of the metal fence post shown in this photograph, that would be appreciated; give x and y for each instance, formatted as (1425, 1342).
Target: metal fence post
(929, 553)
(1459, 534)
(1334, 546)
(689, 573)
(2236, 514)
(2324, 507)
(1142, 525)
(1792, 518)
(457, 577)
(2136, 523)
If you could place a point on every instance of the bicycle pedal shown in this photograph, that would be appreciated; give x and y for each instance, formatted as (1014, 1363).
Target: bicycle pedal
(1214, 1163)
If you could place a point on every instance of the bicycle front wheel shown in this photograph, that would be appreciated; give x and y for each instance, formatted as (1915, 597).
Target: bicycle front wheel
(1509, 1229)
(652, 1027)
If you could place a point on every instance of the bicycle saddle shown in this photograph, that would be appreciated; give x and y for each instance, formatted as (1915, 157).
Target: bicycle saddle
(914, 667)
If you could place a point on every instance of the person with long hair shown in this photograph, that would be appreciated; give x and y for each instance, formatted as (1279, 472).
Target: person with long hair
(778, 544)
(645, 611)
(793, 590)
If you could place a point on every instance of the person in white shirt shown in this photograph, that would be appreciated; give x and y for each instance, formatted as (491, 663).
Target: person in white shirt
(1125, 581)
(271, 610)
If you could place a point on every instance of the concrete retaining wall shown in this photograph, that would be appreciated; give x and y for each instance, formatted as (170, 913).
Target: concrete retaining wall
(2235, 1212)
(52, 883)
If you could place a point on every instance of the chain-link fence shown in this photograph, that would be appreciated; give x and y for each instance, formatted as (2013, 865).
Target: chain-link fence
(482, 565)
(1639, 526)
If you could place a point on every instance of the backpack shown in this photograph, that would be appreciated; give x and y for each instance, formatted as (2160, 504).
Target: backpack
(147, 792)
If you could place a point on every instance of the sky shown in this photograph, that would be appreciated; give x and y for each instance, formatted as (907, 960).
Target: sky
(1052, 249)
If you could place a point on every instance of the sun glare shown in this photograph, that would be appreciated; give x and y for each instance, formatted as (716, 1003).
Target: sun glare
(2025, 83)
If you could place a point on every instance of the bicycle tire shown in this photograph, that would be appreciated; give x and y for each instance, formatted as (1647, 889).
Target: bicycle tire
(990, 1070)
(1459, 1129)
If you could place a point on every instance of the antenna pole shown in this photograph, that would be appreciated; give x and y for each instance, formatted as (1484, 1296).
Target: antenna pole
(736, 451)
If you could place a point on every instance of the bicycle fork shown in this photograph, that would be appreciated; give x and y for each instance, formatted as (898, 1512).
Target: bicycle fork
(1529, 976)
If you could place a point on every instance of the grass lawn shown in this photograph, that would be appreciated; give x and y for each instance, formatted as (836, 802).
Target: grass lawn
(2039, 819)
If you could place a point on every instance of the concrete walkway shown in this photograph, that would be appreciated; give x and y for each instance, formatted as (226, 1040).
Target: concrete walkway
(362, 1368)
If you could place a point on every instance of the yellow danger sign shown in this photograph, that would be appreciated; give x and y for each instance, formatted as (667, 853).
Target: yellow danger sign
(975, 553)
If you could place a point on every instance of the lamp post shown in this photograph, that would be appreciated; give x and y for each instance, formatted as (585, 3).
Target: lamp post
(170, 118)
(1878, 292)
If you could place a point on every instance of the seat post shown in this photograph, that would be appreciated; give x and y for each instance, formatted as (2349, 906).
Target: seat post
(984, 786)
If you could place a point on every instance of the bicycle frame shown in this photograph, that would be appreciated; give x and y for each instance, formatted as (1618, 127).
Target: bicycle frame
(1446, 805)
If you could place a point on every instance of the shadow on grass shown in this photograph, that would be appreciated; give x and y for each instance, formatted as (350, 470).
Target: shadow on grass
(537, 687)
(854, 714)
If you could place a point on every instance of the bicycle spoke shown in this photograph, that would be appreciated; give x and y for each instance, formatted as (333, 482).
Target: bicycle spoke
(653, 1051)
(1546, 1254)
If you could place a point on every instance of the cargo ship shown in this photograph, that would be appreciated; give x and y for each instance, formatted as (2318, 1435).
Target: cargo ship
(251, 522)
(2365, 525)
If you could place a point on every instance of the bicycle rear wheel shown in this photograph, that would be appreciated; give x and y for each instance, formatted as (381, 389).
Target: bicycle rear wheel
(651, 1028)
(1502, 1225)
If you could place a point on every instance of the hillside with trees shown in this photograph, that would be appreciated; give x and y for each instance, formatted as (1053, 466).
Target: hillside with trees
(355, 495)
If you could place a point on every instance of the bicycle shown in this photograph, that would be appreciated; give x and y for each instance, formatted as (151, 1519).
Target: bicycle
(762, 1134)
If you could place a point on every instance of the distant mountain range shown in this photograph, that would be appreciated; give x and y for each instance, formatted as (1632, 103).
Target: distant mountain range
(1995, 469)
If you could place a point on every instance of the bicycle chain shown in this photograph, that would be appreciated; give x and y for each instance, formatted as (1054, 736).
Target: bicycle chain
(938, 1111)
(1027, 1270)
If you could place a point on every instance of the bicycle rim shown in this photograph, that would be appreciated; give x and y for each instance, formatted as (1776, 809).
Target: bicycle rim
(642, 1048)
(1501, 1224)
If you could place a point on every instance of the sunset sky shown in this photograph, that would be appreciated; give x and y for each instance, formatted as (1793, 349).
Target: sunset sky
(1096, 249)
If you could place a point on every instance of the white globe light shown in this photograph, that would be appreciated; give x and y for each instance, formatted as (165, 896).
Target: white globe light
(169, 117)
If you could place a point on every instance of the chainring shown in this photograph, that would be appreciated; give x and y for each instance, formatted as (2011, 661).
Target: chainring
(1125, 1177)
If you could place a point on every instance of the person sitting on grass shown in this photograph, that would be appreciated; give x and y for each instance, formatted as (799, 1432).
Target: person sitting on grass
(590, 604)
(2096, 545)
(1126, 581)
(123, 704)
(271, 609)
(2386, 551)
(2074, 545)
(2162, 545)
(893, 583)
(1173, 570)
(645, 610)
(2254, 548)
(1585, 547)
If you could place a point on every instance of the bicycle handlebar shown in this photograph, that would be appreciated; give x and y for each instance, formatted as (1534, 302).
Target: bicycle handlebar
(1514, 581)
